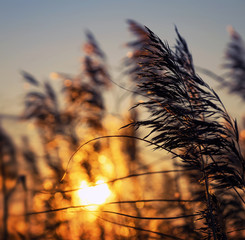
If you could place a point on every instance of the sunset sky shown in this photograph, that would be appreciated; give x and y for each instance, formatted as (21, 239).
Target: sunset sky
(74, 169)
(45, 36)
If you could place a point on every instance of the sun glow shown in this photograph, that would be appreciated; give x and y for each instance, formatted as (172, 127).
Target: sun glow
(97, 194)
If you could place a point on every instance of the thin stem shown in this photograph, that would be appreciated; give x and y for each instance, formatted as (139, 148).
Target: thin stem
(149, 218)
(210, 209)
(114, 136)
(140, 229)
(112, 203)
(117, 179)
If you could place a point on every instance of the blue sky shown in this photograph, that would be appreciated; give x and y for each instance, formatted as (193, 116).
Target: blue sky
(46, 36)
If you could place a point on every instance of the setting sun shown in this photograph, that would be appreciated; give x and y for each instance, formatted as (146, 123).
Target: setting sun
(93, 194)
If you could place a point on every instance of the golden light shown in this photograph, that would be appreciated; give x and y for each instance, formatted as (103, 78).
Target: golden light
(242, 135)
(54, 75)
(93, 194)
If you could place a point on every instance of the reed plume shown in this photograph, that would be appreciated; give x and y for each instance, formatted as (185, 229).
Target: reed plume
(188, 119)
